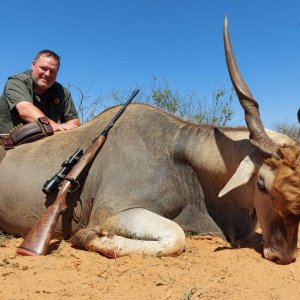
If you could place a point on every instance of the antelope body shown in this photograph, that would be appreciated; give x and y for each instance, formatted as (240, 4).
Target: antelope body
(158, 175)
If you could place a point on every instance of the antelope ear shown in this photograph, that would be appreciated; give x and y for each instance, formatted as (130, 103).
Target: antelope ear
(241, 176)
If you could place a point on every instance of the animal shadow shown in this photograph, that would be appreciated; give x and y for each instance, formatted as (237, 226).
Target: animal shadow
(53, 246)
(254, 241)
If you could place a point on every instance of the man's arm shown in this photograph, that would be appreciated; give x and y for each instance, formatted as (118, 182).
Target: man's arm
(30, 113)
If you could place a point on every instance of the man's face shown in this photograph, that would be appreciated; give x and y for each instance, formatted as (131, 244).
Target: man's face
(44, 72)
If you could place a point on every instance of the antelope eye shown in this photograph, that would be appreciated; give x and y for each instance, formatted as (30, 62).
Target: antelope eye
(261, 184)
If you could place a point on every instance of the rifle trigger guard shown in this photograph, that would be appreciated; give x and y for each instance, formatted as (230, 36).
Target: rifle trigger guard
(73, 183)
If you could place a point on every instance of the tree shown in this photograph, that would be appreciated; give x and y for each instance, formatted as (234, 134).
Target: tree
(215, 110)
(286, 128)
(86, 109)
(164, 97)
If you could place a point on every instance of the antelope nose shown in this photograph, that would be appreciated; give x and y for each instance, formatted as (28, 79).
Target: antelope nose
(276, 257)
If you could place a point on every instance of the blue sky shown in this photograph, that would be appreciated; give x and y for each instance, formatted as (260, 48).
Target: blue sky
(122, 44)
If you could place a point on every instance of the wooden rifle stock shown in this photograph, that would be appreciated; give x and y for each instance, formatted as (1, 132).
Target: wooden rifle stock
(38, 239)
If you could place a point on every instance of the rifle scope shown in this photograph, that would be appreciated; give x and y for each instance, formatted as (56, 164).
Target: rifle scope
(55, 181)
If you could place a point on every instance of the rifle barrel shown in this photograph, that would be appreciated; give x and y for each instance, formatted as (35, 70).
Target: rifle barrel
(119, 113)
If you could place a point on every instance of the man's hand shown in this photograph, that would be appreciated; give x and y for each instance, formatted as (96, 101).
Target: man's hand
(63, 126)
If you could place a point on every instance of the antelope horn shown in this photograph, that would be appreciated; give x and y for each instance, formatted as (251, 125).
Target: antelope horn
(258, 135)
(298, 115)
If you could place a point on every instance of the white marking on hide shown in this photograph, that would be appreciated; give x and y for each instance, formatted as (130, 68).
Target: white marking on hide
(241, 176)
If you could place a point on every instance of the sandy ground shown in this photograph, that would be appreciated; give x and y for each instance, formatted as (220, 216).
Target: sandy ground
(208, 269)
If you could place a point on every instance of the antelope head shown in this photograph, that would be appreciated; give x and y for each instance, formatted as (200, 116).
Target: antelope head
(276, 170)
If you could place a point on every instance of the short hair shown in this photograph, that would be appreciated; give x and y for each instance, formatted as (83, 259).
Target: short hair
(48, 53)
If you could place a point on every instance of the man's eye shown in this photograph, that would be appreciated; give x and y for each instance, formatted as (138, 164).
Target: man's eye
(261, 184)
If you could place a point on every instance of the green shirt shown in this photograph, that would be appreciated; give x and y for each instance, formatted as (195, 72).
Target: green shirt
(56, 103)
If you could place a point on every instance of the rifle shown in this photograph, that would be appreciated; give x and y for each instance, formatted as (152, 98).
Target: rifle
(54, 183)
(38, 239)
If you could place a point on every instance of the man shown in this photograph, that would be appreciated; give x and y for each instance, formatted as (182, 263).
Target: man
(35, 93)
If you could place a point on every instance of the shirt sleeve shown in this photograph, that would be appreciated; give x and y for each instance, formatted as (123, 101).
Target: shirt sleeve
(17, 90)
